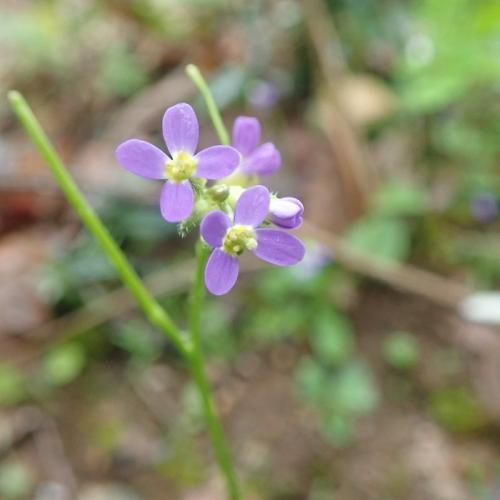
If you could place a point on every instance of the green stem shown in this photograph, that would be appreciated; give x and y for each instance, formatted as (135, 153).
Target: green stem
(197, 366)
(195, 74)
(190, 349)
(154, 312)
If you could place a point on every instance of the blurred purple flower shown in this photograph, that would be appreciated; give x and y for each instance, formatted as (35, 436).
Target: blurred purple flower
(286, 212)
(264, 95)
(316, 259)
(257, 159)
(484, 207)
(180, 131)
(231, 238)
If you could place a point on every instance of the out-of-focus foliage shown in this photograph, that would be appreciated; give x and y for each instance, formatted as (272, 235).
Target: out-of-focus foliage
(16, 480)
(401, 350)
(436, 204)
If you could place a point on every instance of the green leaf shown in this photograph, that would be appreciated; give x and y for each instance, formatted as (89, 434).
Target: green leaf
(353, 391)
(63, 364)
(310, 379)
(121, 73)
(385, 237)
(137, 338)
(338, 429)
(396, 199)
(332, 337)
(12, 385)
(401, 350)
(458, 410)
(271, 324)
(16, 480)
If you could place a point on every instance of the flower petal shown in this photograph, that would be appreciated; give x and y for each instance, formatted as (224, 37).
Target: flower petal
(286, 212)
(252, 206)
(214, 226)
(246, 134)
(176, 201)
(278, 247)
(180, 128)
(265, 160)
(142, 158)
(217, 162)
(221, 272)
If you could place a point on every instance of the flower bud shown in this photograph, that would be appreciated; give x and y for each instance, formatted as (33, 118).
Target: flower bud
(219, 192)
(286, 212)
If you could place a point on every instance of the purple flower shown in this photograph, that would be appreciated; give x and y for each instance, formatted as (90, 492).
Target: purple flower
(286, 212)
(264, 95)
(316, 258)
(180, 131)
(257, 159)
(231, 238)
(484, 207)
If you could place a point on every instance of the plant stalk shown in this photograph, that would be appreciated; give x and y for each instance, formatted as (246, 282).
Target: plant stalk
(197, 365)
(156, 314)
(195, 74)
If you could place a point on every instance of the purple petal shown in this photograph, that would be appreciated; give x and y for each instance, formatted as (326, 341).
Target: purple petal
(246, 134)
(252, 206)
(142, 158)
(286, 212)
(217, 162)
(221, 272)
(180, 128)
(214, 226)
(279, 247)
(265, 160)
(176, 201)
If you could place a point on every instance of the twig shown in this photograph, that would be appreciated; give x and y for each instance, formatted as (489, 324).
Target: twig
(347, 151)
(437, 289)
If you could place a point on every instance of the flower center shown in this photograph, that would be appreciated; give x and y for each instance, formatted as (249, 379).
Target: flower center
(238, 239)
(181, 167)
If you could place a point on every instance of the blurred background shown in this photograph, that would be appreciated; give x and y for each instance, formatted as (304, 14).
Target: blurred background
(367, 371)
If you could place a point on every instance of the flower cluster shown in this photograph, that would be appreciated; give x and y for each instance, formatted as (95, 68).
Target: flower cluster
(234, 218)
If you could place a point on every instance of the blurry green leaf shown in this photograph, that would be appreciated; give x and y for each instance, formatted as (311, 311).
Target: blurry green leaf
(461, 53)
(121, 73)
(12, 385)
(396, 199)
(136, 223)
(274, 286)
(16, 480)
(384, 237)
(137, 338)
(182, 464)
(63, 364)
(219, 339)
(227, 85)
(332, 337)
(37, 34)
(310, 379)
(401, 350)
(428, 93)
(192, 409)
(339, 429)
(108, 435)
(353, 391)
(271, 324)
(458, 410)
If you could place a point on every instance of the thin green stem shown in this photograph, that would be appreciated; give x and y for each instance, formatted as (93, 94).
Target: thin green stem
(189, 348)
(154, 312)
(197, 365)
(195, 74)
